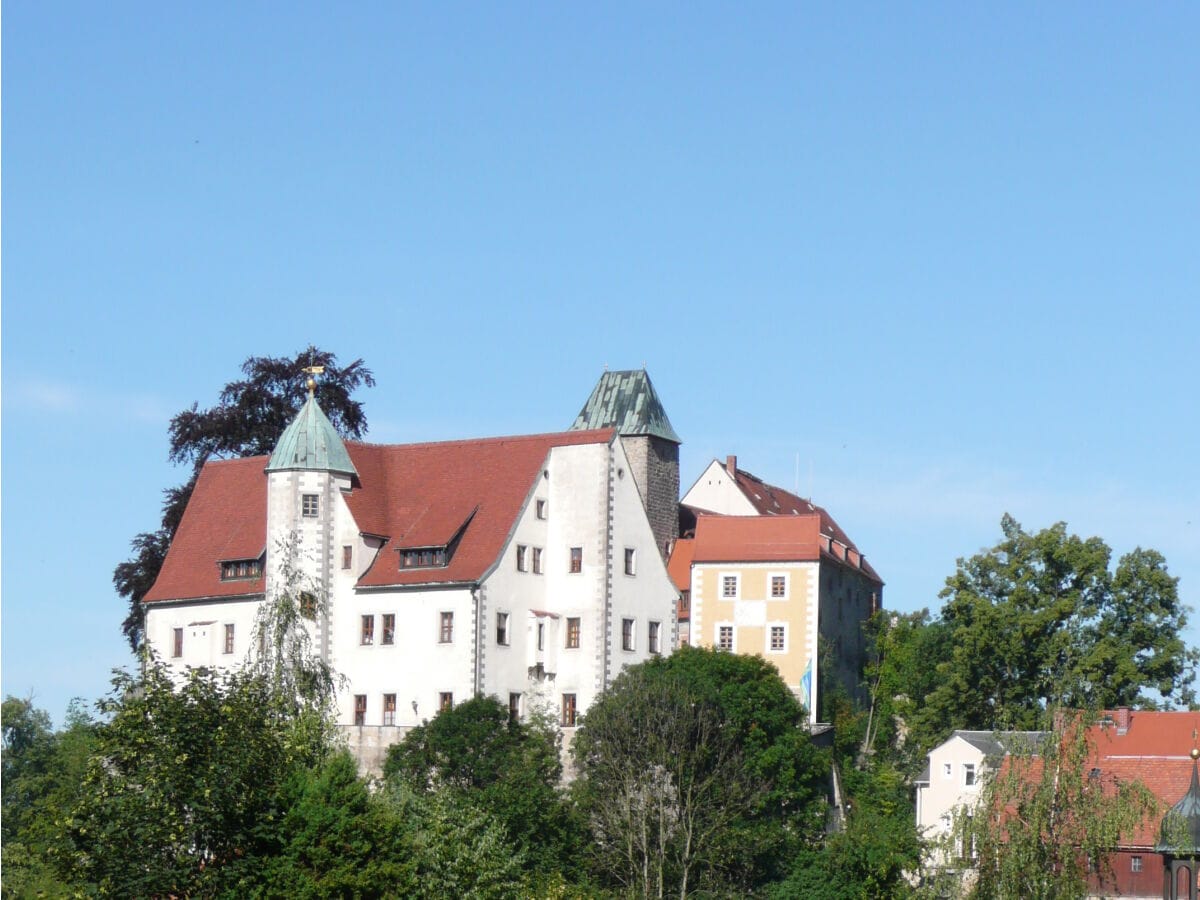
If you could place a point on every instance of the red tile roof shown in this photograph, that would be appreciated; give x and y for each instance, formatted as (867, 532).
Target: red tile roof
(225, 519)
(1154, 750)
(679, 566)
(770, 500)
(419, 495)
(414, 495)
(776, 538)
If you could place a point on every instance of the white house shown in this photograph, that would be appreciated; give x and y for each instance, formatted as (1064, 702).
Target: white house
(953, 780)
(524, 568)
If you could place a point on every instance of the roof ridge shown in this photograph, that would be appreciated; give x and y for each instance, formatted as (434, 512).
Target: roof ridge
(573, 437)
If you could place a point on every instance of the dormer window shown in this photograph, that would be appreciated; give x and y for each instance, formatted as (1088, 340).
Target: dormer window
(423, 558)
(235, 569)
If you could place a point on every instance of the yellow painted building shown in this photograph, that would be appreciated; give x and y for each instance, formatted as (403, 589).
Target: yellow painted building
(784, 583)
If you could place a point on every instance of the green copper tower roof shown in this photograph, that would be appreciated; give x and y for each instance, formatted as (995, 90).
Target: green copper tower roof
(311, 442)
(626, 401)
(1180, 833)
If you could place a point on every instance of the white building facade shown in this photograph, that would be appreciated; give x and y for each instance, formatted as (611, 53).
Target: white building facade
(523, 568)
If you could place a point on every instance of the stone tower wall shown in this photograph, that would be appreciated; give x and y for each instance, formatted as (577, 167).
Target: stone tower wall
(655, 465)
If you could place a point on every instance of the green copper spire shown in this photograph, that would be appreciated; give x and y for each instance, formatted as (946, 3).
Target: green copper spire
(311, 442)
(627, 402)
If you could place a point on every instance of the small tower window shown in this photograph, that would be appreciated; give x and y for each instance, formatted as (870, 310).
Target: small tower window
(310, 505)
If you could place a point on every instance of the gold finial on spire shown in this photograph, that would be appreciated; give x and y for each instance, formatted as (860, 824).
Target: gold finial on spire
(311, 383)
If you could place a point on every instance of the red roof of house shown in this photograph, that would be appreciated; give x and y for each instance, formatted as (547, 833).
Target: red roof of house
(679, 566)
(225, 519)
(802, 537)
(414, 495)
(1154, 750)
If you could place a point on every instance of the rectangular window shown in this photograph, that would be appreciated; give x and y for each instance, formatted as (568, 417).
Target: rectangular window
(502, 628)
(778, 638)
(627, 634)
(653, 639)
(537, 560)
(778, 586)
(539, 507)
(367, 635)
(360, 709)
(389, 628)
(725, 637)
(1135, 864)
(630, 561)
(573, 634)
(968, 774)
(568, 711)
(541, 636)
(446, 630)
(310, 505)
(389, 709)
(514, 707)
(576, 560)
(947, 770)
(228, 638)
(445, 701)
(685, 601)
(177, 646)
(729, 586)
(308, 605)
(347, 556)
(522, 554)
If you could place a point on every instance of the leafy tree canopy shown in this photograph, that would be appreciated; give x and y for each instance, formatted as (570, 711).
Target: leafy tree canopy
(696, 772)
(247, 420)
(1041, 619)
(508, 769)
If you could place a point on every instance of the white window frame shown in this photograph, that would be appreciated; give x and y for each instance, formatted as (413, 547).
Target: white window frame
(304, 505)
(503, 617)
(947, 770)
(970, 775)
(786, 638)
(737, 585)
(787, 586)
(733, 636)
(654, 637)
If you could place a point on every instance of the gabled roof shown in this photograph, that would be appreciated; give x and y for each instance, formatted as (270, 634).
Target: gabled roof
(627, 402)
(311, 442)
(419, 495)
(410, 495)
(226, 519)
(785, 538)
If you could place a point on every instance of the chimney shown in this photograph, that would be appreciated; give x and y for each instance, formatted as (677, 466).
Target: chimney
(731, 466)
(1122, 717)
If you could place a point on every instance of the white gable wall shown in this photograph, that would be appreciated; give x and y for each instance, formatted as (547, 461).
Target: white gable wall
(717, 492)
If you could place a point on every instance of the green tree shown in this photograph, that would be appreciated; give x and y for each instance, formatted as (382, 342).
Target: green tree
(337, 840)
(247, 420)
(42, 777)
(1045, 813)
(184, 782)
(510, 770)
(697, 774)
(1039, 619)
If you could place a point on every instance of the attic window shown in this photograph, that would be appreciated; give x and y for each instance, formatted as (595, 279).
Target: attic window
(423, 558)
(234, 569)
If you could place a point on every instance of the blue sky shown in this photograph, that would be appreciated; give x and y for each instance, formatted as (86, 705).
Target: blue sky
(940, 260)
